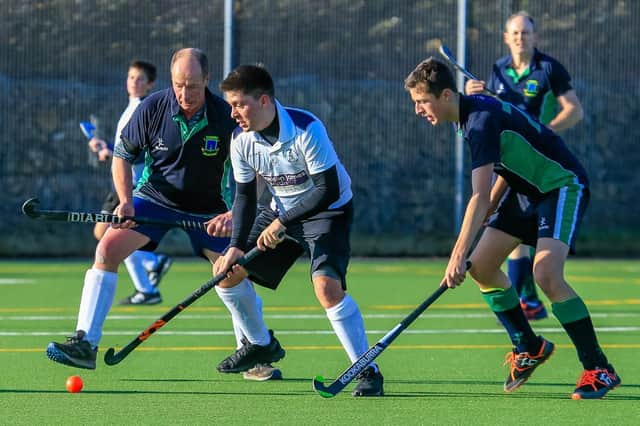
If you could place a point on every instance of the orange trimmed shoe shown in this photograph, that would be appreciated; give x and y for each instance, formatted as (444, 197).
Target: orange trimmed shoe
(533, 310)
(594, 384)
(522, 365)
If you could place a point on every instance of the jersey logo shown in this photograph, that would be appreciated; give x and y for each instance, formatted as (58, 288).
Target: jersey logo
(159, 145)
(291, 155)
(531, 88)
(210, 146)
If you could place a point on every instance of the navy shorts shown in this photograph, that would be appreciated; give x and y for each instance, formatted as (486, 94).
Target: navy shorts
(199, 240)
(557, 215)
(323, 237)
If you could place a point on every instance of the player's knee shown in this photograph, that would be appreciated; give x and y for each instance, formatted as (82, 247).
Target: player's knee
(482, 275)
(109, 254)
(328, 290)
(547, 275)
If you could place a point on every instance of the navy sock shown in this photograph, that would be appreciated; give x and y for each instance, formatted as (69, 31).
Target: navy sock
(506, 306)
(520, 273)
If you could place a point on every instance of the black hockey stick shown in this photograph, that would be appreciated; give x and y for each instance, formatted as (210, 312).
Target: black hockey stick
(111, 357)
(365, 359)
(30, 208)
(448, 55)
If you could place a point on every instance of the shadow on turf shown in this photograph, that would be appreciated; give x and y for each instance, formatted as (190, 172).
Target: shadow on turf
(286, 379)
(421, 395)
(150, 392)
(522, 393)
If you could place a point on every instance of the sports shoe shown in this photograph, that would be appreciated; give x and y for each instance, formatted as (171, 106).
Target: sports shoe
(75, 352)
(250, 355)
(263, 372)
(140, 298)
(533, 310)
(370, 383)
(594, 384)
(523, 364)
(163, 264)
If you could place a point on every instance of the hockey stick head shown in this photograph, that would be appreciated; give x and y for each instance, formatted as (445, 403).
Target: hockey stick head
(323, 391)
(448, 55)
(110, 358)
(30, 208)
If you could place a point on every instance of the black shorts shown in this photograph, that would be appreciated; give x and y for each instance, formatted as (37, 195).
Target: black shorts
(558, 215)
(110, 203)
(323, 237)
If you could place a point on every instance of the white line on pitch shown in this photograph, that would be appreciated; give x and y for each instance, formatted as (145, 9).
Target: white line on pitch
(11, 281)
(289, 316)
(548, 330)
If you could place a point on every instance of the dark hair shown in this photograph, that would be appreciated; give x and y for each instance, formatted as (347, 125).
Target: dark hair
(197, 54)
(253, 80)
(525, 15)
(435, 75)
(147, 67)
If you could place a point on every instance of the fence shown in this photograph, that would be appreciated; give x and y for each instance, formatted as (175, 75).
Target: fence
(345, 60)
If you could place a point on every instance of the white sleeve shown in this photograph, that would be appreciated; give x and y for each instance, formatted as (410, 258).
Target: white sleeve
(243, 172)
(318, 150)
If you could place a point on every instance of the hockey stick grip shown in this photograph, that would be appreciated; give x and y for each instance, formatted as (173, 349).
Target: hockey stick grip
(30, 209)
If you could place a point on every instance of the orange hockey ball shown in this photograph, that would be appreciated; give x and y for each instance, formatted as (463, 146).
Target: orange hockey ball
(74, 384)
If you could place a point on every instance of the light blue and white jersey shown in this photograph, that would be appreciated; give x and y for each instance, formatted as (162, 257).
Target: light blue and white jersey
(303, 149)
(138, 166)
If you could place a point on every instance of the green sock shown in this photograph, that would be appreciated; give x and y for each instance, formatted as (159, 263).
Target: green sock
(506, 305)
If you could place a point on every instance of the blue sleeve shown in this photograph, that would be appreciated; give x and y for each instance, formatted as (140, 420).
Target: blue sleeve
(559, 79)
(483, 137)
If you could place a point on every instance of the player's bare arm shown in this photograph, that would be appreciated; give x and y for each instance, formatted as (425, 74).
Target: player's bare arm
(570, 112)
(497, 191)
(472, 223)
(122, 178)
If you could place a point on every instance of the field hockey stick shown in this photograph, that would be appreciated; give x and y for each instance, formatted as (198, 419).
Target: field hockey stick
(30, 208)
(367, 358)
(111, 357)
(448, 55)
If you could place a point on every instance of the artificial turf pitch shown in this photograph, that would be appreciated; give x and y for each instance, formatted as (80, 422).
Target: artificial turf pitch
(446, 368)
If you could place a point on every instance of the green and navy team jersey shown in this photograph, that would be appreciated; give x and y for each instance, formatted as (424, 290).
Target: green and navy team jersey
(536, 89)
(186, 164)
(533, 160)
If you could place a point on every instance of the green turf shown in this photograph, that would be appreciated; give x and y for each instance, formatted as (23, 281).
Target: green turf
(445, 369)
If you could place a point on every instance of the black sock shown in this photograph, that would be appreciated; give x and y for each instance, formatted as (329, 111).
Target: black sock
(584, 338)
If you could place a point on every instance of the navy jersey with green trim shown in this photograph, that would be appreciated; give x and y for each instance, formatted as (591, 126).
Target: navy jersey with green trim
(533, 160)
(535, 90)
(188, 174)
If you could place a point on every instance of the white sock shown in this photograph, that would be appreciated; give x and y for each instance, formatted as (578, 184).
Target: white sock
(97, 297)
(242, 302)
(346, 320)
(148, 259)
(138, 273)
(237, 330)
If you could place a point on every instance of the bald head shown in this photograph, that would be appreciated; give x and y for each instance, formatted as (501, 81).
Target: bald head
(189, 78)
(192, 54)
